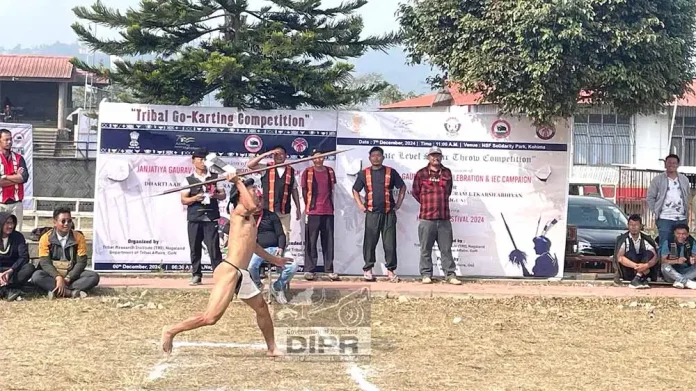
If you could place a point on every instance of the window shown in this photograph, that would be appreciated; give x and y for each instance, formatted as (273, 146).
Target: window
(596, 217)
(684, 139)
(602, 139)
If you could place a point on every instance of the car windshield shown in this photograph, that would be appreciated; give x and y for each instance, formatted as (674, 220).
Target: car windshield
(597, 217)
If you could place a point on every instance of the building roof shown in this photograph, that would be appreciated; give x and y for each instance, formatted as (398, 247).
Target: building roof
(458, 98)
(41, 68)
(421, 101)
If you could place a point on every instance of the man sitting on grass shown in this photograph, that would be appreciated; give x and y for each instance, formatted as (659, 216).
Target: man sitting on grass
(63, 259)
(636, 255)
(678, 262)
(15, 269)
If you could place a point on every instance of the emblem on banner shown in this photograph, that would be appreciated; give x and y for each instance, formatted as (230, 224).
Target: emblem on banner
(545, 133)
(500, 128)
(357, 123)
(253, 143)
(134, 136)
(299, 144)
(18, 138)
(452, 126)
(184, 140)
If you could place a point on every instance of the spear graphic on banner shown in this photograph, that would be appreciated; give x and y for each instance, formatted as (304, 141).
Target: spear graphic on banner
(517, 257)
(288, 163)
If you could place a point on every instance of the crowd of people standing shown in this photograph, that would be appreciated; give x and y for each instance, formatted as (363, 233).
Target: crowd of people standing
(373, 192)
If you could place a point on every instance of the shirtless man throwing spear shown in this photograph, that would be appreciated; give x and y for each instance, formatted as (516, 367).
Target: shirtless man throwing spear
(231, 276)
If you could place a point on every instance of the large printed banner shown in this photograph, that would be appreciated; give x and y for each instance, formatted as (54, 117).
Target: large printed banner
(23, 144)
(509, 200)
(508, 204)
(145, 150)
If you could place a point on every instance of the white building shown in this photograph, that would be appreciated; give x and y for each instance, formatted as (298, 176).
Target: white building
(601, 138)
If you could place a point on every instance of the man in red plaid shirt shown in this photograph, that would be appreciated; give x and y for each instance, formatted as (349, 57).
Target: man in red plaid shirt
(432, 187)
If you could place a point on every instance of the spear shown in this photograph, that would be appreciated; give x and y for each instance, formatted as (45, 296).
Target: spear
(287, 163)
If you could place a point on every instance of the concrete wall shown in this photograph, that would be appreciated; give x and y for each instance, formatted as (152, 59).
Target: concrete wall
(68, 178)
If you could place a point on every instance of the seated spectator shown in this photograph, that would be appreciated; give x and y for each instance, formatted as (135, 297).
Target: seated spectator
(271, 236)
(678, 262)
(15, 269)
(636, 255)
(62, 260)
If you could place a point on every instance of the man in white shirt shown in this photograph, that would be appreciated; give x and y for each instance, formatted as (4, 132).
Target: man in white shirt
(668, 198)
(278, 186)
(202, 214)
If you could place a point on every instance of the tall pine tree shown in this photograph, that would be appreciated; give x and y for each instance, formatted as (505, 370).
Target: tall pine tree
(278, 56)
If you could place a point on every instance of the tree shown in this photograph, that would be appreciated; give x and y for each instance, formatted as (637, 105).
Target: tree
(539, 57)
(390, 94)
(253, 58)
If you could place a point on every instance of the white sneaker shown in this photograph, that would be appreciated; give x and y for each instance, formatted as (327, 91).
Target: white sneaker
(691, 284)
(279, 296)
(678, 285)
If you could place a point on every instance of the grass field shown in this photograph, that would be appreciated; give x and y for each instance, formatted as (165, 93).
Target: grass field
(421, 344)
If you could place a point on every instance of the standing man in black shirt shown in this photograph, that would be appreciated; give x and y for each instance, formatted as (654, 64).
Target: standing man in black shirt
(202, 215)
(380, 209)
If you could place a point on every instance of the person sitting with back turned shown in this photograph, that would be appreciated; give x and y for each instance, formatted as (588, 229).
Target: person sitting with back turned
(62, 260)
(636, 255)
(678, 261)
(15, 269)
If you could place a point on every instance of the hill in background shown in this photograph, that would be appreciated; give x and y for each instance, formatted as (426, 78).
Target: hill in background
(392, 64)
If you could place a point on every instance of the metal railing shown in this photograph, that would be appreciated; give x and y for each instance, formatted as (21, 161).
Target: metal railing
(40, 211)
(82, 149)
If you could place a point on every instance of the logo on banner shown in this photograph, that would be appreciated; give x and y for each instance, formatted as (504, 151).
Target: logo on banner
(500, 129)
(452, 126)
(253, 143)
(357, 123)
(545, 133)
(134, 136)
(299, 145)
(18, 138)
(184, 140)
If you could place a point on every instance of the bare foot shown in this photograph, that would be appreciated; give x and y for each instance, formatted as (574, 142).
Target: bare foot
(274, 352)
(167, 340)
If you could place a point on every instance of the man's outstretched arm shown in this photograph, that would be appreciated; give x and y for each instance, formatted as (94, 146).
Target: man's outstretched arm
(278, 261)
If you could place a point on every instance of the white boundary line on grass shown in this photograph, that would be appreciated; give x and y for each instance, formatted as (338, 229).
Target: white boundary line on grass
(358, 376)
(159, 369)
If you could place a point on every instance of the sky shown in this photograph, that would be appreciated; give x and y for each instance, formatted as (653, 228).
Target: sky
(49, 20)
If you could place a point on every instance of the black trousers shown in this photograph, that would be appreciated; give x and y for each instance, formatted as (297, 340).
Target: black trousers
(87, 280)
(319, 225)
(377, 224)
(200, 232)
(20, 277)
(627, 274)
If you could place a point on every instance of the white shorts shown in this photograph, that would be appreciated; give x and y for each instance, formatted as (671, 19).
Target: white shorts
(248, 289)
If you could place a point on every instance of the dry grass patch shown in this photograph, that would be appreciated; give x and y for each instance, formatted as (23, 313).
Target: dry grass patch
(467, 344)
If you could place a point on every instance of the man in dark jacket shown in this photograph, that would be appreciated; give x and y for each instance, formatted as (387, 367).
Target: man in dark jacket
(63, 259)
(202, 214)
(678, 258)
(636, 255)
(271, 236)
(15, 269)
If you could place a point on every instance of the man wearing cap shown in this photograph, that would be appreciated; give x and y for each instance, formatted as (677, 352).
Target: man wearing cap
(279, 185)
(380, 208)
(432, 187)
(318, 184)
(202, 214)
